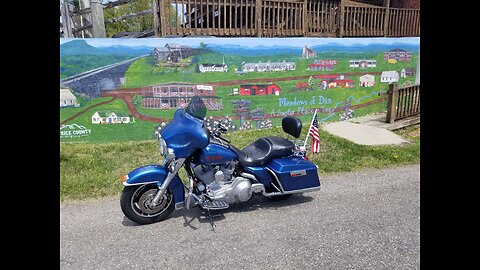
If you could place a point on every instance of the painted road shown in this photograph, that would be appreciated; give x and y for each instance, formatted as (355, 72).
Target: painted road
(360, 220)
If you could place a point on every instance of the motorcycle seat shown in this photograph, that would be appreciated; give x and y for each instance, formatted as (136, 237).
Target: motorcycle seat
(264, 150)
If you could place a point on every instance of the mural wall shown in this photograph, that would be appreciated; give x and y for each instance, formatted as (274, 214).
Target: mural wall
(123, 89)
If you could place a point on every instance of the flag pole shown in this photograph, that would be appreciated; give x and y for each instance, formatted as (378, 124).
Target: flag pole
(308, 132)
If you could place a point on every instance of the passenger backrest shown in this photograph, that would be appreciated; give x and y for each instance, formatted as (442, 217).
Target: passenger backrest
(292, 125)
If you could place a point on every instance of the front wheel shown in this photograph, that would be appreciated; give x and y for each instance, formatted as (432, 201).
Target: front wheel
(135, 202)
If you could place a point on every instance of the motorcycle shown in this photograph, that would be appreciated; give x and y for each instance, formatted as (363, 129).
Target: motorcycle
(219, 174)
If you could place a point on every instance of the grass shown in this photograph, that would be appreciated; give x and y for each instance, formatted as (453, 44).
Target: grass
(93, 170)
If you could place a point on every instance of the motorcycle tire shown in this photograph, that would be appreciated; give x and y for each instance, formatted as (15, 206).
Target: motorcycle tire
(135, 204)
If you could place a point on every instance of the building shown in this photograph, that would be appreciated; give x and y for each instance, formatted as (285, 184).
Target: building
(111, 117)
(67, 99)
(367, 80)
(259, 89)
(177, 95)
(172, 52)
(322, 65)
(308, 53)
(269, 66)
(389, 76)
(363, 63)
(398, 54)
(213, 67)
(329, 81)
(407, 72)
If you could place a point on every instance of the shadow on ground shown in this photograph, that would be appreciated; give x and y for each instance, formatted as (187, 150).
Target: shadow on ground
(201, 215)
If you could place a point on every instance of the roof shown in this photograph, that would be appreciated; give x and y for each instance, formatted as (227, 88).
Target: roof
(327, 76)
(66, 94)
(409, 69)
(397, 50)
(213, 65)
(259, 85)
(367, 76)
(390, 74)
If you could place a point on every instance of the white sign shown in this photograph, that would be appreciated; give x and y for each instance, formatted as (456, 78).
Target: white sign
(73, 130)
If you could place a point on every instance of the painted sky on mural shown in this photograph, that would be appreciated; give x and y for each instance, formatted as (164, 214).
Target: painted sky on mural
(250, 42)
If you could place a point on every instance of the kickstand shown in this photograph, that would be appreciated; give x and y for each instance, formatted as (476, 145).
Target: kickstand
(211, 220)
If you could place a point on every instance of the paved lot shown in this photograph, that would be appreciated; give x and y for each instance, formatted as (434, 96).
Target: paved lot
(362, 220)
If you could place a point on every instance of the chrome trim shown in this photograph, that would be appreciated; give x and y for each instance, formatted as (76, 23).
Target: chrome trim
(249, 176)
(290, 192)
(276, 178)
(137, 184)
(179, 205)
(161, 190)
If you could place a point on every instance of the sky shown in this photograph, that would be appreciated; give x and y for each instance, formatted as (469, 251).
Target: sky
(246, 42)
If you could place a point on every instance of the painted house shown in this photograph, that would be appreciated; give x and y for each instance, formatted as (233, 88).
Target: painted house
(367, 80)
(363, 63)
(177, 95)
(398, 54)
(111, 117)
(268, 66)
(259, 89)
(389, 76)
(67, 99)
(328, 65)
(328, 81)
(308, 53)
(407, 72)
(213, 67)
(172, 52)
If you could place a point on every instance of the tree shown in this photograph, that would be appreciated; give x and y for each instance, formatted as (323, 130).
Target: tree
(135, 24)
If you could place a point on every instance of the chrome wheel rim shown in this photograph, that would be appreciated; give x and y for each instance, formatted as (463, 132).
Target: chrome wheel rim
(142, 201)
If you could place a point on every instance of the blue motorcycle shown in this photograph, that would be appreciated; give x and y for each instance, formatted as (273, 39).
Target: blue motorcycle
(219, 174)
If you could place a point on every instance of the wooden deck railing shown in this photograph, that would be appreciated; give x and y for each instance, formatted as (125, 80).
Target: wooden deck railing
(279, 18)
(402, 102)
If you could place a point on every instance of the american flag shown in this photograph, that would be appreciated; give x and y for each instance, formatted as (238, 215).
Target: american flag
(315, 136)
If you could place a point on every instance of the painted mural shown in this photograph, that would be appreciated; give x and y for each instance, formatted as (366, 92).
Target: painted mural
(124, 89)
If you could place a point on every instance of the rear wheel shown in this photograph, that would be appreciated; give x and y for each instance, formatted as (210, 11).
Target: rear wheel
(136, 204)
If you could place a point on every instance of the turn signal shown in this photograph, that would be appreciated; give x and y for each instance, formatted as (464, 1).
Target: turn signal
(124, 178)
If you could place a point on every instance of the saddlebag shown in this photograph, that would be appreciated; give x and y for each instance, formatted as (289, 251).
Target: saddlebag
(295, 173)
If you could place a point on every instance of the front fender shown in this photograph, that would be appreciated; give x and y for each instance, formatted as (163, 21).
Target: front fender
(155, 174)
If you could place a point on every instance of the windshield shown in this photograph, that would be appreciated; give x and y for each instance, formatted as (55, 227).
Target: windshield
(197, 108)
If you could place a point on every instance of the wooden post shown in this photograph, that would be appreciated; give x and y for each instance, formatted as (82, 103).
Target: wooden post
(304, 21)
(341, 19)
(417, 74)
(66, 20)
(156, 24)
(163, 20)
(258, 15)
(386, 4)
(98, 21)
(392, 102)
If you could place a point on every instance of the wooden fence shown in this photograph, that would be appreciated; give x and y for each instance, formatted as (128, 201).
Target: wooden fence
(281, 18)
(258, 18)
(402, 102)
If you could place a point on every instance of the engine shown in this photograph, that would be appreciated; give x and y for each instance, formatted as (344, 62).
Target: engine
(218, 182)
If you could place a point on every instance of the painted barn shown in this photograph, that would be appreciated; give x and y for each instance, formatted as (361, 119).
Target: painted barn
(177, 95)
(398, 54)
(172, 52)
(259, 89)
(268, 66)
(67, 98)
(407, 72)
(213, 67)
(328, 81)
(389, 76)
(367, 80)
(363, 63)
(111, 117)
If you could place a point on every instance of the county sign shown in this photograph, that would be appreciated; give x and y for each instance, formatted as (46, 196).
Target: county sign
(74, 130)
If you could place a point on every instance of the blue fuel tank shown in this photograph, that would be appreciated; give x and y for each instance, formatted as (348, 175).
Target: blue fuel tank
(216, 154)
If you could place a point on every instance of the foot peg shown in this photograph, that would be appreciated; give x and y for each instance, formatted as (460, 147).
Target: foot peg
(214, 205)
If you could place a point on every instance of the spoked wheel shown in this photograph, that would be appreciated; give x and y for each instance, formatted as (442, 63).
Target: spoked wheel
(136, 204)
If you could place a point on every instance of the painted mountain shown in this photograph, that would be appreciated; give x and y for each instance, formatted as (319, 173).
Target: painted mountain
(78, 56)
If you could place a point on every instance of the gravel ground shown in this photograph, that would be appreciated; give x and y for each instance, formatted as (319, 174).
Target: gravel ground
(360, 220)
